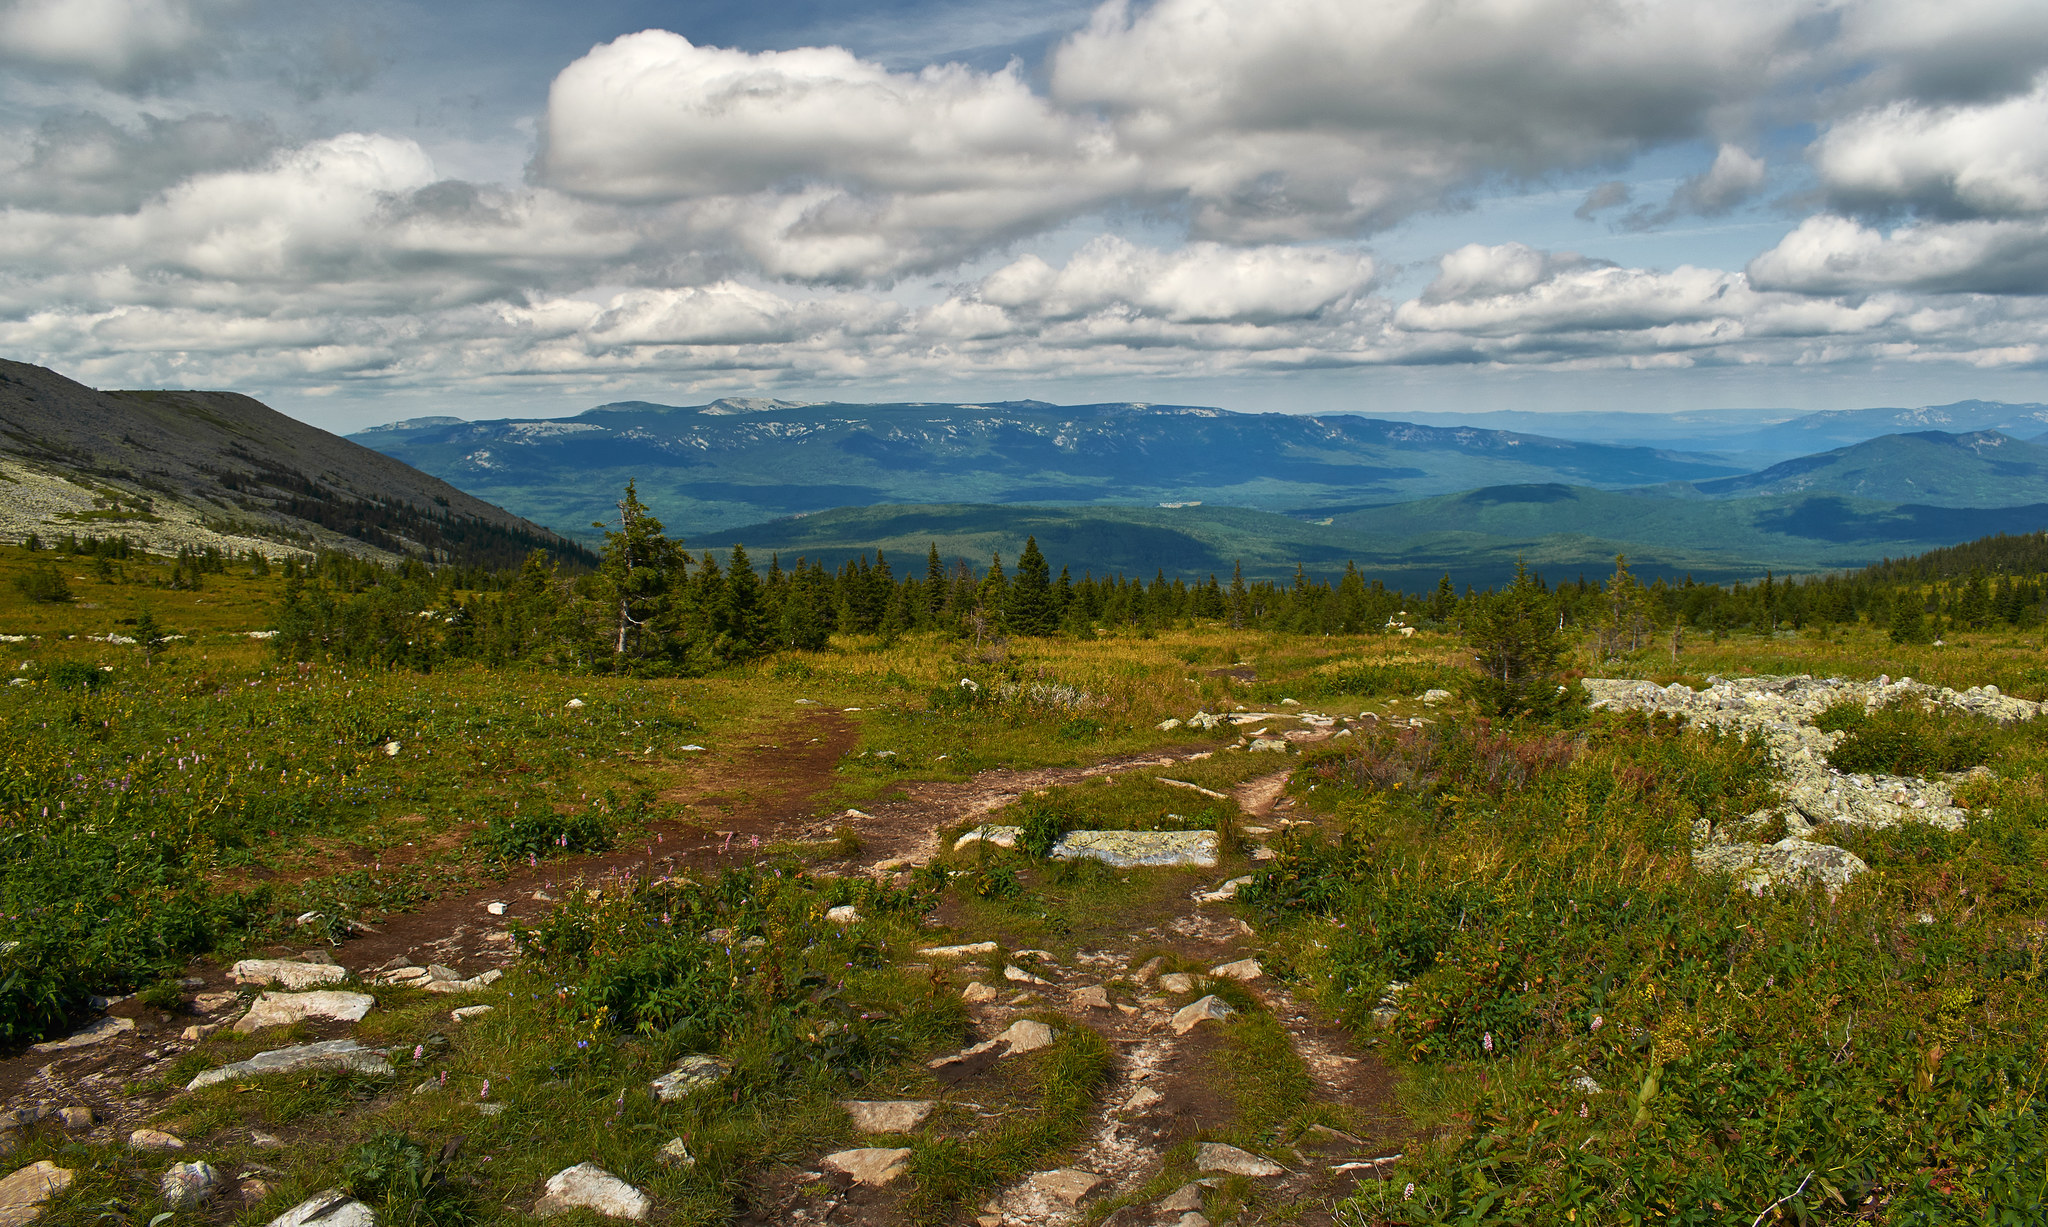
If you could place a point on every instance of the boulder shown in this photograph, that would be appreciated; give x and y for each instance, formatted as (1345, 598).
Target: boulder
(1195, 1013)
(189, 1184)
(977, 992)
(96, 1033)
(844, 914)
(329, 1054)
(887, 1115)
(1135, 849)
(1000, 836)
(284, 1009)
(1026, 1035)
(587, 1186)
(286, 973)
(1094, 996)
(328, 1208)
(1244, 970)
(1068, 1184)
(1217, 1157)
(690, 1075)
(154, 1139)
(23, 1194)
(873, 1166)
(1186, 1197)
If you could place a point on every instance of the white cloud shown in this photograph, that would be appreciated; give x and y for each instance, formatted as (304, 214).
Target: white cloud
(1837, 255)
(1953, 161)
(1198, 283)
(121, 42)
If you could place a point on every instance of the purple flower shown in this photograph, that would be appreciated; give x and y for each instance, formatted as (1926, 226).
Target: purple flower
(1598, 1022)
(1486, 1041)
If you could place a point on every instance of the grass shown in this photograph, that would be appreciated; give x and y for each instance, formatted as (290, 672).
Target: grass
(1525, 880)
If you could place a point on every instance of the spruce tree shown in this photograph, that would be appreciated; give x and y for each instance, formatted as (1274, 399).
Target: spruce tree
(1030, 606)
(638, 573)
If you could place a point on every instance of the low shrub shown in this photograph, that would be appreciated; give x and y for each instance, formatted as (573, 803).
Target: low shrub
(1907, 741)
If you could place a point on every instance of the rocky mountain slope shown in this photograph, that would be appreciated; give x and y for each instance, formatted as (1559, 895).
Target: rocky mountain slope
(177, 469)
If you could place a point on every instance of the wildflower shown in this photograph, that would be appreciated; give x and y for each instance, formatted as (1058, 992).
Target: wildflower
(1486, 1041)
(418, 1051)
(486, 1092)
(1582, 1111)
(1408, 1192)
(1598, 1022)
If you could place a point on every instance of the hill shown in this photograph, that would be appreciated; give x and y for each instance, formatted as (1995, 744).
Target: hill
(1476, 536)
(740, 461)
(217, 469)
(1930, 467)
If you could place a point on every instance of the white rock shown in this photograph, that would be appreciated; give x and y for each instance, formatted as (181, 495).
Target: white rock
(330, 1208)
(1584, 1084)
(844, 914)
(977, 992)
(573, 704)
(1195, 1013)
(959, 952)
(1245, 970)
(495, 909)
(1027, 1035)
(1433, 697)
(1177, 982)
(391, 749)
(467, 1012)
(1017, 975)
(1135, 849)
(286, 973)
(887, 1115)
(475, 984)
(676, 1154)
(284, 1009)
(873, 1166)
(97, 1033)
(1141, 1099)
(330, 1054)
(691, 1074)
(1217, 1157)
(589, 1187)
(154, 1139)
(1186, 1197)
(1267, 745)
(1094, 996)
(189, 1184)
(1224, 893)
(1000, 836)
(24, 1192)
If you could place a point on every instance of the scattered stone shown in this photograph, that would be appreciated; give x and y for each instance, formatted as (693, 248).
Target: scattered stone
(328, 1208)
(1000, 836)
(1322, 1137)
(464, 1013)
(587, 1186)
(23, 1193)
(1141, 1099)
(1266, 745)
(690, 1075)
(1224, 893)
(210, 1003)
(844, 914)
(1244, 970)
(1020, 999)
(887, 1115)
(199, 1031)
(964, 1065)
(1017, 975)
(959, 952)
(329, 1054)
(1168, 725)
(154, 1139)
(284, 1009)
(1093, 996)
(977, 992)
(675, 1154)
(189, 1184)
(1217, 1157)
(1791, 861)
(96, 1033)
(1384, 1016)
(1149, 969)
(253, 1190)
(1026, 1035)
(1434, 697)
(1186, 1197)
(286, 973)
(76, 1118)
(475, 984)
(1134, 849)
(490, 1109)
(1195, 1013)
(1177, 982)
(266, 1141)
(1194, 1218)
(1068, 1184)
(873, 1166)
(495, 909)
(573, 704)
(1210, 793)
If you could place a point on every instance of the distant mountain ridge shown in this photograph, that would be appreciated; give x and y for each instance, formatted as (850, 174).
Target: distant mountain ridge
(175, 469)
(709, 467)
(1983, 468)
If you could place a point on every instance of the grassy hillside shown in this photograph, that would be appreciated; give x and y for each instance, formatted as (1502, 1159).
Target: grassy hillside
(1932, 468)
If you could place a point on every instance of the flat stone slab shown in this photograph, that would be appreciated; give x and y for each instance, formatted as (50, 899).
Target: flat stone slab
(1025, 1035)
(1217, 1157)
(284, 1009)
(887, 1115)
(1244, 970)
(97, 1033)
(691, 1074)
(23, 1194)
(154, 1139)
(1000, 836)
(1140, 849)
(329, 1054)
(1224, 893)
(968, 951)
(1177, 982)
(873, 1166)
(475, 984)
(1068, 1184)
(587, 1186)
(328, 1208)
(286, 973)
(1195, 1013)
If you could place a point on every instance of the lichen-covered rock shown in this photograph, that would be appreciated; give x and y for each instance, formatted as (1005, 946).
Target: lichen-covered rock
(1791, 861)
(1217, 1157)
(1195, 1013)
(690, 1075)
(284, 1009)
(329, 1208)
(587, 1186)
(189, 1184)
(24, 1193)
(329, 1054)
(1000, 836)
(286, 973)
(97, 1032)
(873, 1166)
(887, 1115)
(1134, 849)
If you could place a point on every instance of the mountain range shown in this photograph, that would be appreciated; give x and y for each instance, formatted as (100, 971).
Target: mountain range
(173, 470)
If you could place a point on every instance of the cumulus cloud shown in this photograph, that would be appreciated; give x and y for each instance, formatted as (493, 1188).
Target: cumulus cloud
(1837, 255)
(1953, 161)
(123, 43)
(1199, 283)
(81, 162)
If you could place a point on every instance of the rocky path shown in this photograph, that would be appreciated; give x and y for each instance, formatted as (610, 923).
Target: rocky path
(1166, 1087)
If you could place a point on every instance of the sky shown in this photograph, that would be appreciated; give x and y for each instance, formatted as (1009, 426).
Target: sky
(376, 209)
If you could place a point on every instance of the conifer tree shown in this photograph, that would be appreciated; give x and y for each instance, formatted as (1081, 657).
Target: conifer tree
(639, 569)
(1030, 606)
